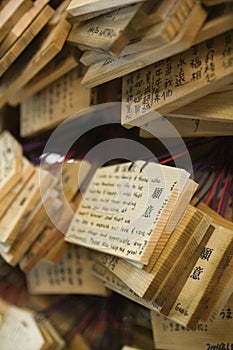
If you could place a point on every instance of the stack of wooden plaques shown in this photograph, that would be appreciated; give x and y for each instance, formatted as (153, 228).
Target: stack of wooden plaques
(214, 334)
(72, 274)
(26, 231)
(153, 36)
(182, 290)
(164, 25)
(31, 206)
(148, 32)
(33, 49)
(53, 104)
(176, 87)
(65, 312)
(43, 50)
(150, 240)
(22, 31)
(35, 57)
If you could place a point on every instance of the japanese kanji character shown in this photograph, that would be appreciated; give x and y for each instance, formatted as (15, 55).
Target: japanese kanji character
(206, 253)
(157, 192)
(196, 75)
(196, 273)
(181, 63)
(148, 211)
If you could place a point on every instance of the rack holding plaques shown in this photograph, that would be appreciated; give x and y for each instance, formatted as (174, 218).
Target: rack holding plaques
(152, 235)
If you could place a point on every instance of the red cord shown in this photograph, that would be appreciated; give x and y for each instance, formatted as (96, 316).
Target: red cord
(223, 192)
(209, 197)
(167, 160)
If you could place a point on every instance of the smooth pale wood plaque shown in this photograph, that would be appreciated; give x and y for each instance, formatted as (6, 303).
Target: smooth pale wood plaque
(203, 279)
(164, 32)
(211, 28)
(135, 278)
(42, 51)
(170, 335)
(219, 220)
(181, 209)
(214, 107)
(20, 321)
(11, 13)
(75, 277)
(84, 7)
(63, 63)
(144, 283)
(215, 26)
(21, 212)
(89, 16)
(187, 239)
(46, 240)
(187, 127)
(114, 283)
(189, 232)
(11, 162)
(27, 238)
(90, 57)
(152, 12)
(140, 230)
(43, 245)
(25, 39)
(177, 276)
(23, 23)
(27, 171)
(178, 80)
(54, 104)
(110, 32)
(112, 68)
(221, 293)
